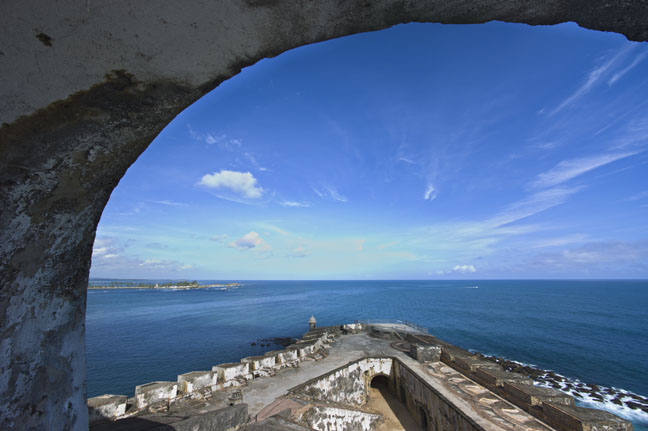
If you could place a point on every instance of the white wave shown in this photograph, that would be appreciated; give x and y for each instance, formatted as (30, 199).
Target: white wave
(581, 393)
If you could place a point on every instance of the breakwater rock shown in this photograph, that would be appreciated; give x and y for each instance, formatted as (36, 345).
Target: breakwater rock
(589, 393)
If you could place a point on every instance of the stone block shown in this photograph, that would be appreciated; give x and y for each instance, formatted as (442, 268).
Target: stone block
(291, 354)
(230, 371)
(259, 362)
(468, 365)
(279, 357)
(494, 379)
(306, 348)
(529, 396)
(352, 328)
(424, 353)
(572, 418)
(155, 393)
(197, 381)
(106, 407)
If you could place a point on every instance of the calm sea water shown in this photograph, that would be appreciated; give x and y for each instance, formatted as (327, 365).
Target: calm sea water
(595, 331)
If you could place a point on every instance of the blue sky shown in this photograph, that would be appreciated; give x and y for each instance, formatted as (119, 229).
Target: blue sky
(419, 152)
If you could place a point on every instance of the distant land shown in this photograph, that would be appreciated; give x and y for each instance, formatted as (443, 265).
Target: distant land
(174, 285)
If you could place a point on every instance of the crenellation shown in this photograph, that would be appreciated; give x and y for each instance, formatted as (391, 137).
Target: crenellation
(155, 395)
(573, 418)
(494, 379)
(106, 407)
(531, 398)
(197, 382)
(438, 383)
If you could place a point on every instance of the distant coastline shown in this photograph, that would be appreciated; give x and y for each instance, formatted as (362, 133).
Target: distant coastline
(178, 285)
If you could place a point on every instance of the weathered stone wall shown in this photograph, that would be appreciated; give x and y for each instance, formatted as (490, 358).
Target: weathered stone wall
(441, 415)
(348, 384)
(322, 417)
(86, 86)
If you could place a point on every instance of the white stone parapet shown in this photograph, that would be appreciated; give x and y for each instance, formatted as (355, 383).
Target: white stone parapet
(154, 393)
(197, 381)
(106, 407)
(231, 371)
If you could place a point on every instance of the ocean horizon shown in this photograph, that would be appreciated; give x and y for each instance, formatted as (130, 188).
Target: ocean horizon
(589, 331)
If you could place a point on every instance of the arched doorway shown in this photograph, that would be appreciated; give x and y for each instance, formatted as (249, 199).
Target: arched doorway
(422, 417)
(75, 118)
(394, 411)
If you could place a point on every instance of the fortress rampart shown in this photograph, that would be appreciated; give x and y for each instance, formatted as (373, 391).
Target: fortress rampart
(441, 385)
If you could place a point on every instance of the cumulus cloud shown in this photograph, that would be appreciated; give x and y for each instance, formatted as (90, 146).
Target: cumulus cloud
(458, 269)
(430, 193)
(242, 183)
(250, 240)
(109, 259)
(464, 269)
(105, 248)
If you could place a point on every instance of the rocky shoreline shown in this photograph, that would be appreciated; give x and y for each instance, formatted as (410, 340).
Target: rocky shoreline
(580, 390)
(170, 286)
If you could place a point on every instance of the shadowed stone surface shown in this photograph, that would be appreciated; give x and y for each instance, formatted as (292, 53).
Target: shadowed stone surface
(87, 86)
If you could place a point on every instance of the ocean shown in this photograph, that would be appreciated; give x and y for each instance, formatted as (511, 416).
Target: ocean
(588, 331)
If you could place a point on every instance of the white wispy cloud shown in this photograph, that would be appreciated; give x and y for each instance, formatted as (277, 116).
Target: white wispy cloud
(638, 59)
(430, 193)
(109, 256)
(251, 240)
(294, 204)
(559, 241)
(638, 196)
(406, 160)
(531, 205)
(329, 193)
(219, 238)
(242, 183)
(298, 252)
(568, 169)
(171, 203)
(211, 139)
(593, 77)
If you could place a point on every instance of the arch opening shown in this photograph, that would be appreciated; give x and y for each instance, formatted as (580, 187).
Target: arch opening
(87, 140)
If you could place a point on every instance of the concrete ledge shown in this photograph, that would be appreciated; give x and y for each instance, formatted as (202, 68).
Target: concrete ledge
(425, 353)
(155, 394)
(197, 381)
(528, 396)
(230, 371)
(106, 407)
(494, 379)
(227, 419)
(572, 418)
(469, 365)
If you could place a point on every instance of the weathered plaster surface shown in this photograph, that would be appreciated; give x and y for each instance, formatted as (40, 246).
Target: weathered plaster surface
(85, 88)
(348, 384)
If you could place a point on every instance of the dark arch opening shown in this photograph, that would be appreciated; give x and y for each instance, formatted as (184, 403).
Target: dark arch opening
(422, 417)
(380, 382)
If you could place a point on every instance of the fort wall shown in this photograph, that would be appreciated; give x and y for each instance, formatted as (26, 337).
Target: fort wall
(443, 386)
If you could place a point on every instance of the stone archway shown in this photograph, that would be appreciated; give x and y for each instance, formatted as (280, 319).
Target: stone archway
(86, 87)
